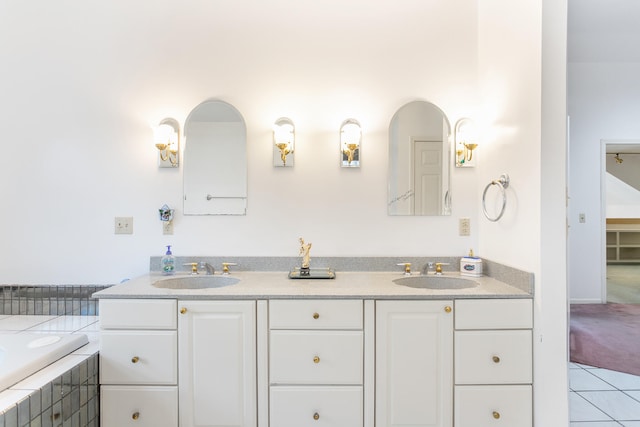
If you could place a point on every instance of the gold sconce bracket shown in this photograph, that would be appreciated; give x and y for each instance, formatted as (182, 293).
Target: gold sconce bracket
(350, 140)
(284, 137)
(466, 142)
(167, 141)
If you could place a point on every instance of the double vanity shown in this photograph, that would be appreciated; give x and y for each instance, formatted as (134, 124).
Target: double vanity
(364, 349)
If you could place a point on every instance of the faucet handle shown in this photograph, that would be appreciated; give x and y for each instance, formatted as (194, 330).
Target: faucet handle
(407, 268)
(194, 267)
(225, 267)
(439, 267)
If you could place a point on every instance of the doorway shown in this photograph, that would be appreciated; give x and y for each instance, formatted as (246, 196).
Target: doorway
(621, 209)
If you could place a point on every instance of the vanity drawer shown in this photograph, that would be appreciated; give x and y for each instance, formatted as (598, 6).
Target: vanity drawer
(316, 357)
(132, 357)
(316, 406)
(138, 314)
(315, 314)
(122, 406)
(488, 406)
(493, 357)
(494, 314)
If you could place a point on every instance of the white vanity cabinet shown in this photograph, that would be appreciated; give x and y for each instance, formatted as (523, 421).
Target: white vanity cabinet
(138, 363)
(316, 363)
(217, 363)
(493, 363)
(414, 363)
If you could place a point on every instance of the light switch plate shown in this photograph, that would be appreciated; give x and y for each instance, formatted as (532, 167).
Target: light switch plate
(124, 225)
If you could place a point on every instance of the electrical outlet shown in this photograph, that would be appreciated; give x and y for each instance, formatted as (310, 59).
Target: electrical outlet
(124, 225)
(167, 227)
(464, 227)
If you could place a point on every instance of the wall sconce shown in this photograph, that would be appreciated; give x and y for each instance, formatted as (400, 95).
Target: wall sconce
(283, 142)
(167, 140)
(466, 142)
(350, 139)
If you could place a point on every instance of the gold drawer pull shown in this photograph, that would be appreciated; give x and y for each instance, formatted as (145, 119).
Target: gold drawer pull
(316, 359)
(496, 359)
(183, 310)
(447, 309)
(135, 359)
(316, 416)
(496, 415)
(135, 415)
(316, 315)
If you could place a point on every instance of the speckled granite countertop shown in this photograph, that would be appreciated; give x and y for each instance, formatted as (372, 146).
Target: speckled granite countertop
(276, 285)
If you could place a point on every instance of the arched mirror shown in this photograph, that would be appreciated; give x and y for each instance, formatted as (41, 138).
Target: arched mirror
(215, 160)
(419, 161)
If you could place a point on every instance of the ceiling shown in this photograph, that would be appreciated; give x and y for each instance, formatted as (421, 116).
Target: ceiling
(603, 31)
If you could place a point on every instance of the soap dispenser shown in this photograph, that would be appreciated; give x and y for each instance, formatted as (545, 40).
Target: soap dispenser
(168, 263)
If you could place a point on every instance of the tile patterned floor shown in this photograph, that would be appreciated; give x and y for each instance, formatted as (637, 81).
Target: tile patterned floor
(603, 398)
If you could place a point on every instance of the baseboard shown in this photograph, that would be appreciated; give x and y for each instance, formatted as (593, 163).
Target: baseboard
(584, 301)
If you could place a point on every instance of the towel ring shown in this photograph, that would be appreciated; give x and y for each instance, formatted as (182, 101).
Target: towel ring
(502, 183)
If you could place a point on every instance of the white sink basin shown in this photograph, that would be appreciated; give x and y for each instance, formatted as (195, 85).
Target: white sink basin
(196, 282)
(435, 282)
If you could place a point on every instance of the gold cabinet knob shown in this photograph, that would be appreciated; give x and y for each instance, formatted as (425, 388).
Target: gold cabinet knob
(316, 315)
(316, 416)
(496, 415)
(447, 309)
(135, 359)
(496, 359)
(135, 415)
(316, 359)
(183, 310)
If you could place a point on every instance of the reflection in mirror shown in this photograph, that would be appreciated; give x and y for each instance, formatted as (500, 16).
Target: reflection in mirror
(419, 166)
(215, 160)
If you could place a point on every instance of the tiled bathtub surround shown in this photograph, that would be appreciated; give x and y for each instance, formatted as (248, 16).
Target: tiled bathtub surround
(49, 300)
(70, 399)
(64, 393)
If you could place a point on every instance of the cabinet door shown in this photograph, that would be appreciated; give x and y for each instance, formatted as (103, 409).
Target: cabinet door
(414, 363)
(217, 363)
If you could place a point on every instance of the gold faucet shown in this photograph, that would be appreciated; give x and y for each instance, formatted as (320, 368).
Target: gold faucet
(438, 268)
(407, 268)
(225, 267)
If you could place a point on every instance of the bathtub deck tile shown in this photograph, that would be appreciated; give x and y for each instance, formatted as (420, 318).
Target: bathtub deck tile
(8, 398)
(64, 324)
(51, 372)
(22, 322)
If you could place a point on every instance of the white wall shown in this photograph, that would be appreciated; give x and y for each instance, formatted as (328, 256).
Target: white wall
(84, 82)
(603, 105)
(523, 57)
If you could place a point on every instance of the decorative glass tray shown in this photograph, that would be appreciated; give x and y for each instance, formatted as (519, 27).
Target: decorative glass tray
(312, 273)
